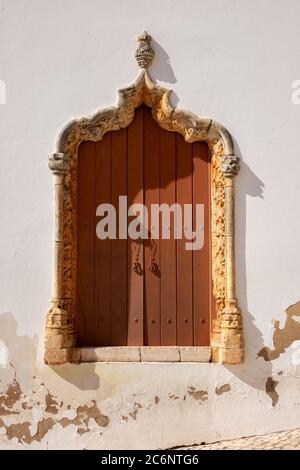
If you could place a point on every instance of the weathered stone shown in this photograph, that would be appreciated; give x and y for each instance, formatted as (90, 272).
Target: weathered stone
(61, 356)
(227, 355)
(144, 54)
(160, 354)
(230, 165)
(111, 354)
(195, 354)
(58, 163)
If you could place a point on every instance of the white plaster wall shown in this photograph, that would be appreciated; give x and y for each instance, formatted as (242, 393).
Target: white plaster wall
(232, 60)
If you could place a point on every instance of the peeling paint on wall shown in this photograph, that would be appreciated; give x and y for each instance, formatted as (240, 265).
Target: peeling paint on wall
(201, 395)
(134, 412)
(36, 410)
(83, 416)
(10, 398)
(222, 389)
(21, 430)
(283, 337)
(173, 397)
(271, 390)
(51, 404)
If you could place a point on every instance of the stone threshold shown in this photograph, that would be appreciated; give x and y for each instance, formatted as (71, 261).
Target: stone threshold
(145, 354)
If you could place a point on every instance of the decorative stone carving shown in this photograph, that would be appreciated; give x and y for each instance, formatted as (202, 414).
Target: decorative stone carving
(218, 211)
(227, 334)
(230, 165)
(144, 54)
(58, 163)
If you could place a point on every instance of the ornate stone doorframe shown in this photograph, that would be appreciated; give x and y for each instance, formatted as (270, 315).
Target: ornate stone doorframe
(227, 332)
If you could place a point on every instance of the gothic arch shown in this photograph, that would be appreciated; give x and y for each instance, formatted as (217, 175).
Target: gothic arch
(227, 333)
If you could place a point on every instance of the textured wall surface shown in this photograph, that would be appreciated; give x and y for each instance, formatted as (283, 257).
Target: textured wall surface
(233, 61)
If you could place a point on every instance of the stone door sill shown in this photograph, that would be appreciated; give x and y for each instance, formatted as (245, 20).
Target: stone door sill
(145, 354)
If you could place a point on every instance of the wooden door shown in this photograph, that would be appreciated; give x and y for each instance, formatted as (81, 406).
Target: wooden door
(142, 292)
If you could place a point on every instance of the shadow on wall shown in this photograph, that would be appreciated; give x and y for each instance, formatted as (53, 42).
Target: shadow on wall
(258, 368)
(252, 372)
(18, 355)
(20, 352)
(83, 376)
(161, 69)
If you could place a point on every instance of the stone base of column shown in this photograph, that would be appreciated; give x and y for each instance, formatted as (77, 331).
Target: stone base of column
(227, 337)
(58, 357)
(59, 335)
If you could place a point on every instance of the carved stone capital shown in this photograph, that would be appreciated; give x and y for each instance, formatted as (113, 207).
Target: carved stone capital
(144, 54)
(230, 165)
(58, 163)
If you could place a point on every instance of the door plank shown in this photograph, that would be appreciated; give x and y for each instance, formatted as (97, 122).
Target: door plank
(135, 285)
(102, 247)
(184, 257)
(152, 248)
(85, 244)
(201, 268)
(168, 247)
(118, 289)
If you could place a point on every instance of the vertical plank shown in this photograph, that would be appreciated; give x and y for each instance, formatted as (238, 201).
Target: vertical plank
(118, 299)
(151, 185)
(102, 247)
(201, 258)
(168, 247)
(85, 244)
(184, 257)
(135, 286)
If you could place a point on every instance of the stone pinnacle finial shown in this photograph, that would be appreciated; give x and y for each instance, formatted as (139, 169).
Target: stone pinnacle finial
(144, 54)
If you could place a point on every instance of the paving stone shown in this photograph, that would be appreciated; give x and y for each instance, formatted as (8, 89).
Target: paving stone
(288, 440)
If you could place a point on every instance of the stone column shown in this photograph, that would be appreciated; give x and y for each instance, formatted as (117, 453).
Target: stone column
(59, 336)
(227, 337)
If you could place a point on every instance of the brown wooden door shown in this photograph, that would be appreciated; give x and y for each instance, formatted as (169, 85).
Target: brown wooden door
(168, 300)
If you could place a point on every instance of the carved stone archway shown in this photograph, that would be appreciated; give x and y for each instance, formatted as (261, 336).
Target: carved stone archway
(227, 333)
